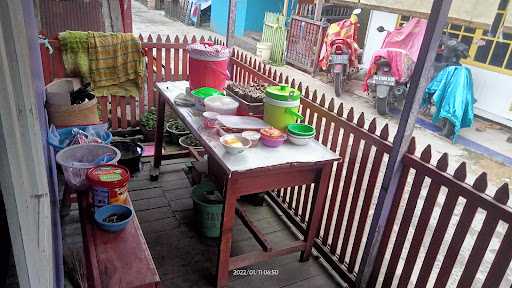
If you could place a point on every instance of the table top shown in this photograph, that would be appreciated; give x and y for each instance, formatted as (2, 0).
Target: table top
(253, 158)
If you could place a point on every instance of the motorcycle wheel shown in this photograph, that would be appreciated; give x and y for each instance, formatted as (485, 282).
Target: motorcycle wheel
(448, 129)
(338, 84)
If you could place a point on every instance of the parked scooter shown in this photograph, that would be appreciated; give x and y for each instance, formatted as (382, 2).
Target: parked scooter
(340, 52)
(392, 65)
(449, 53)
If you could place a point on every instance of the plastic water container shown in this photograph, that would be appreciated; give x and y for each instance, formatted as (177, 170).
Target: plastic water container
(78, 159)
(208, 65)
(264, 50)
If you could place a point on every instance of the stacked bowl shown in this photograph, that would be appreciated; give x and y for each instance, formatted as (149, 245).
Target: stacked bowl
(300, 134)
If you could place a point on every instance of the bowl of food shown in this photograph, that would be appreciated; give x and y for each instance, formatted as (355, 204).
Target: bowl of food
(253, 136)
(113, 218)
(272, 137)
(235, 144)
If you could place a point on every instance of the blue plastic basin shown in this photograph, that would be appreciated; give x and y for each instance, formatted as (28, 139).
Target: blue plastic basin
(109, 210)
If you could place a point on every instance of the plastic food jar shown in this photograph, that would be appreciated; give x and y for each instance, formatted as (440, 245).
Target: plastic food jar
(223, 105)
(210, 119)
(109, 184)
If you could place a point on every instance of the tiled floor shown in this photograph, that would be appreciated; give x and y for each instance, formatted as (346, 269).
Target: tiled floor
(185, 259)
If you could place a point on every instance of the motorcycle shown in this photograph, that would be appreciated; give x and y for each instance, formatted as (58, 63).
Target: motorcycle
(392, 65)
(449, 53)
(340, 53)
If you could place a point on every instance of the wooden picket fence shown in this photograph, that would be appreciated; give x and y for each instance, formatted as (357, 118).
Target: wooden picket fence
(441, 232)
(166, 59)
(355, 182)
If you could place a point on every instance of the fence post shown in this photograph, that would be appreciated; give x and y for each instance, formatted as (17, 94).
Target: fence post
(419, 80)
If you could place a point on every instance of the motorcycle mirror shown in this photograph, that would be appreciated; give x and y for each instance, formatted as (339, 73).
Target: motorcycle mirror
(381, 29)
(357, 11)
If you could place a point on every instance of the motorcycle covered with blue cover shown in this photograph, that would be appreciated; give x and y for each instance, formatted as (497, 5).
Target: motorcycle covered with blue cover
(451, 92)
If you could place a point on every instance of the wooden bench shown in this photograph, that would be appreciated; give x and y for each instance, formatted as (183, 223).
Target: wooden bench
(115, 259)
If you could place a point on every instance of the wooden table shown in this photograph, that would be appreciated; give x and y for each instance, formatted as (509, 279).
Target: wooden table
(119, 259)
(256, 170)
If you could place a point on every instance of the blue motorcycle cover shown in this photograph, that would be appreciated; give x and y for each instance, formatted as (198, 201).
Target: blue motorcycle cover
(451, 91)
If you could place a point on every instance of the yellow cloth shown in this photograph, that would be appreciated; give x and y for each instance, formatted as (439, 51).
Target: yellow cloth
(112, 62)
(116, 64)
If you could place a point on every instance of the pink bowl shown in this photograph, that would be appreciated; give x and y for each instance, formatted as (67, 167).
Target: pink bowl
(273, 142)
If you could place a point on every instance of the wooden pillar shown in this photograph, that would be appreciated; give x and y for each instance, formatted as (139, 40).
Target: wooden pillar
(285, 8)
(418, 82)
(231, 22)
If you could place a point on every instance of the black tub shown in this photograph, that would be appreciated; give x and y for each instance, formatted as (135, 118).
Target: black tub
(131, 153)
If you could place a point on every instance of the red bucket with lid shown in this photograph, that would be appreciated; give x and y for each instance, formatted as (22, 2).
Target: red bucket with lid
(109, 184)
(208, 65)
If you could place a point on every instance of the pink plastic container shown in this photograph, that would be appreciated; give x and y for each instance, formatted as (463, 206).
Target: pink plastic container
(272, 142)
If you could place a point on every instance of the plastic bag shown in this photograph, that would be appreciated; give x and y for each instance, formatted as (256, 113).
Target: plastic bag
(64, 137)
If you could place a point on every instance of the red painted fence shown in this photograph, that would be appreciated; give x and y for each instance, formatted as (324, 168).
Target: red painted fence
(438, 222)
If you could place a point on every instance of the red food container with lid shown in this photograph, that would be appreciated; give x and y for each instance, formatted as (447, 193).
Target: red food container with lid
(109, 184)
(208, 65)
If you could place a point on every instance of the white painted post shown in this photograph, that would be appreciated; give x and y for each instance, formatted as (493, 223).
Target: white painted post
(24, 180)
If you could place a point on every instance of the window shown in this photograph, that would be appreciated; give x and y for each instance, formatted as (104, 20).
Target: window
(488, 49)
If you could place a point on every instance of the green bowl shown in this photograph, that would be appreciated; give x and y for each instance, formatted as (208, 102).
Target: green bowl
(299, 129)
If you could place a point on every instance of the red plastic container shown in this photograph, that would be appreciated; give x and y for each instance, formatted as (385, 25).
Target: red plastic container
(109, 184)
(208, 66)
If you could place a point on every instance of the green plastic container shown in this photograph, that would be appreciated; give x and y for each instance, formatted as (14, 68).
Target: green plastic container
(207, 208)
(299, 129)
(202, 93)
(279, 114)
(282, 93)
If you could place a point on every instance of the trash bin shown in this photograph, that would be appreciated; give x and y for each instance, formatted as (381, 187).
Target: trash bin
(208, 205)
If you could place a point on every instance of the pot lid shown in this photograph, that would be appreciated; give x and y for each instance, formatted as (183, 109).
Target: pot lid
(283, 93)
(205, 92)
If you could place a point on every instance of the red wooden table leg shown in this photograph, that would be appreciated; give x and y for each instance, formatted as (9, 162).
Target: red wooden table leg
(228, 219)
(159, 138)
(316, 211)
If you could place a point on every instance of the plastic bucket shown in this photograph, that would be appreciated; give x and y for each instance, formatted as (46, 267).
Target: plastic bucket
(207, 212)
(263, 50)
(280, 114)
(208, 73)
(78, 159)
(131, 154)
(109, 184)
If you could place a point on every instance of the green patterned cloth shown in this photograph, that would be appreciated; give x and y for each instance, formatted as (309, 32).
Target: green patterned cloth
(112, 62)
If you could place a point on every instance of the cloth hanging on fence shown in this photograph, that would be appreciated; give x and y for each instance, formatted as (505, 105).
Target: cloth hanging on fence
(113, 62)
(451, 91)
(346, 29)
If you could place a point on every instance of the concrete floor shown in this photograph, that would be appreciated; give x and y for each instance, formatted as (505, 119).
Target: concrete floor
(488, 156)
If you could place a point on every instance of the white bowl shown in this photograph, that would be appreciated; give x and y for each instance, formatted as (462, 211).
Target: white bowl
(299, 140)
(254, 136)
(235, 149)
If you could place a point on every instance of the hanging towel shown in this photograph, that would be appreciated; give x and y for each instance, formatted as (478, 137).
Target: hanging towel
(75, 53)
(113, 63)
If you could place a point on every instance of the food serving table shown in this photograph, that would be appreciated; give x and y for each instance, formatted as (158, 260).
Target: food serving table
(255, 170)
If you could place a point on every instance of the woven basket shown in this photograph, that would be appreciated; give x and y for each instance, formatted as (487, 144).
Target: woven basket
(73, 115)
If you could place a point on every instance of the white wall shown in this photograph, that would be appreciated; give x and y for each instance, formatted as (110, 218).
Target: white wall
(374, 38)
(493, 91)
